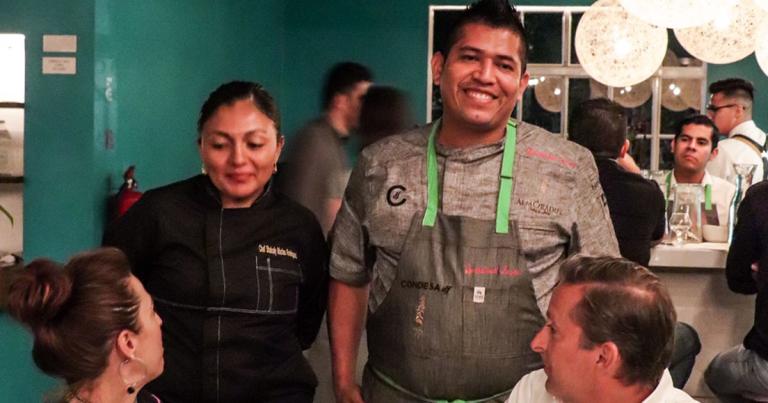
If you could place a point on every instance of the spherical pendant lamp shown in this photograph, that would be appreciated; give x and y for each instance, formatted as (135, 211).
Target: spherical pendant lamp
(728, 38)
(549, 93)
(761, 49)
(674, 13)
(616, 48)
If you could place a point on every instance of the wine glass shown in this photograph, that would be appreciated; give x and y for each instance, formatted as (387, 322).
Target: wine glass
(680, 223)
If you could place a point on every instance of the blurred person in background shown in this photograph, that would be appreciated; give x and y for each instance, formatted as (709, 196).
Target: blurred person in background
(93, 324)
(386, 111)
(316, 168)
(238, 271)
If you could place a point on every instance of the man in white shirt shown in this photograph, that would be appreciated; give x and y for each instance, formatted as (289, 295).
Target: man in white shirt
(696, 144)
(730, 107)
(608, 338)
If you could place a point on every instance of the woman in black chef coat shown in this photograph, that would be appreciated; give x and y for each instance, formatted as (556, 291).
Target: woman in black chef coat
(238, 272)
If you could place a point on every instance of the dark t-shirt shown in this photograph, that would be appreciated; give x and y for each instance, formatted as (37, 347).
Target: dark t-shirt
(636, 206)
(750, 245)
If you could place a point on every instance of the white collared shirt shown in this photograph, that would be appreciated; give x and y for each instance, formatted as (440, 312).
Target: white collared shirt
(531, 389)
(722, 194)
(732, 150)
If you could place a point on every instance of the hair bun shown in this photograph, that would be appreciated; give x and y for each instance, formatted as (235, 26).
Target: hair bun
(38, 293)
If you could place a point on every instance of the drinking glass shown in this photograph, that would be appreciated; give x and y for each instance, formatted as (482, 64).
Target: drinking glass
(680, 223)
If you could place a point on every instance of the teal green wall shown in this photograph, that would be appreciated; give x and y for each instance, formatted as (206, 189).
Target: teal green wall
(59, 199)
(164, 58)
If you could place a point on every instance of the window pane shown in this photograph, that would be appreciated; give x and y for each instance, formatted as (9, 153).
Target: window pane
(578, 92)
(575, 19)
(543, 101)
(545, 41)
(11, 68)
(679, 98)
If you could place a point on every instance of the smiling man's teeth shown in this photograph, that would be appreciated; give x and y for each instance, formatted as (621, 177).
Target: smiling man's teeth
(479, 95)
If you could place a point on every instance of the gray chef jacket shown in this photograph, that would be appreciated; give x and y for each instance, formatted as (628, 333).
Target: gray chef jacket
(557, 201)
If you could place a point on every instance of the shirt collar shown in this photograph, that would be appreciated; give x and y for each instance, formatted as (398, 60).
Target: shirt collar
(749, 129)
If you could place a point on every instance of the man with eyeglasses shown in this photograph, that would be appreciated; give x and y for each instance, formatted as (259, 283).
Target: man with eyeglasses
(730, 108)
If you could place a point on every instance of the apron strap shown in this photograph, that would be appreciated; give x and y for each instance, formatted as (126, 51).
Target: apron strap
(389, 382)
(707, 193)
(506, 181)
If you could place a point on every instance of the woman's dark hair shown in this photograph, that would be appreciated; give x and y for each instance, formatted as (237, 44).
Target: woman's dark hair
(385, 111)
(75, 312)
(234, 91)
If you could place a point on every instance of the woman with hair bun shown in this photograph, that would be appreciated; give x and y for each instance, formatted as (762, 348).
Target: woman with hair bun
(93, 324)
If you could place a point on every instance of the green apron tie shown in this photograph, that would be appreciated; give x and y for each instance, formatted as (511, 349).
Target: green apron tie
(506, 182)
(707, 193)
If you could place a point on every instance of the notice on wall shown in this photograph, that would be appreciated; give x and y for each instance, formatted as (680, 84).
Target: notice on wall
(59, 65)
(60, 43)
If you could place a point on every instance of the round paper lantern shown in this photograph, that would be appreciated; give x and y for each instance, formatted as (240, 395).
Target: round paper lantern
(549, 93)
(761, 48)
(675, 13)
(728, 38)
(629, 97)
(616, 48)
(678, 95)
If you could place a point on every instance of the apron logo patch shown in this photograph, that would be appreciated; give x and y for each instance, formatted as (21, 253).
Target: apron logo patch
(505, 270)
(396, 196)
(425, 285)
(539, 207)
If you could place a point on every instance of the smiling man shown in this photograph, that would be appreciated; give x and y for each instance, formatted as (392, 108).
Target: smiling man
(608, 338)
(696, 144)
(450, 236)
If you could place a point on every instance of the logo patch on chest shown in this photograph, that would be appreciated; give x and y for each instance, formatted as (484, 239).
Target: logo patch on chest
(396, 196)
(277, 251)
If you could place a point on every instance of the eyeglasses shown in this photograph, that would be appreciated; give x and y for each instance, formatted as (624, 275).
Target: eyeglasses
(713, 109)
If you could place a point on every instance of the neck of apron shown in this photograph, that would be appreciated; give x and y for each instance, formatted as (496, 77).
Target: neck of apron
(505, 178)
(707, 193)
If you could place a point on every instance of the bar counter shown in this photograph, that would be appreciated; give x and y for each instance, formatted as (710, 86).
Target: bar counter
(705, 255)
(694, 274)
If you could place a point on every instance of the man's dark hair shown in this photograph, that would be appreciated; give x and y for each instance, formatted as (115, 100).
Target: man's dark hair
(495, 14)
(234, 91)
(734, 88)
(600, 125)
(699, 120)
(626, 304)
(342, 78)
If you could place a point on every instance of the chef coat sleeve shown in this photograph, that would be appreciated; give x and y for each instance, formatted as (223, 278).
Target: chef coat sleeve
(744, 250)
(313, 294)
(349, 240)
(135, 234)
(593, 233)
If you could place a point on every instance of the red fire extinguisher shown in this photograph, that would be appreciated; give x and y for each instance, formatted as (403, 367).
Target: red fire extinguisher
(126, 196)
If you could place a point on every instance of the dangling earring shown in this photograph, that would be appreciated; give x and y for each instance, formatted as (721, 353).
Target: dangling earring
(202, 170)
(132, 371)
(274, 171)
